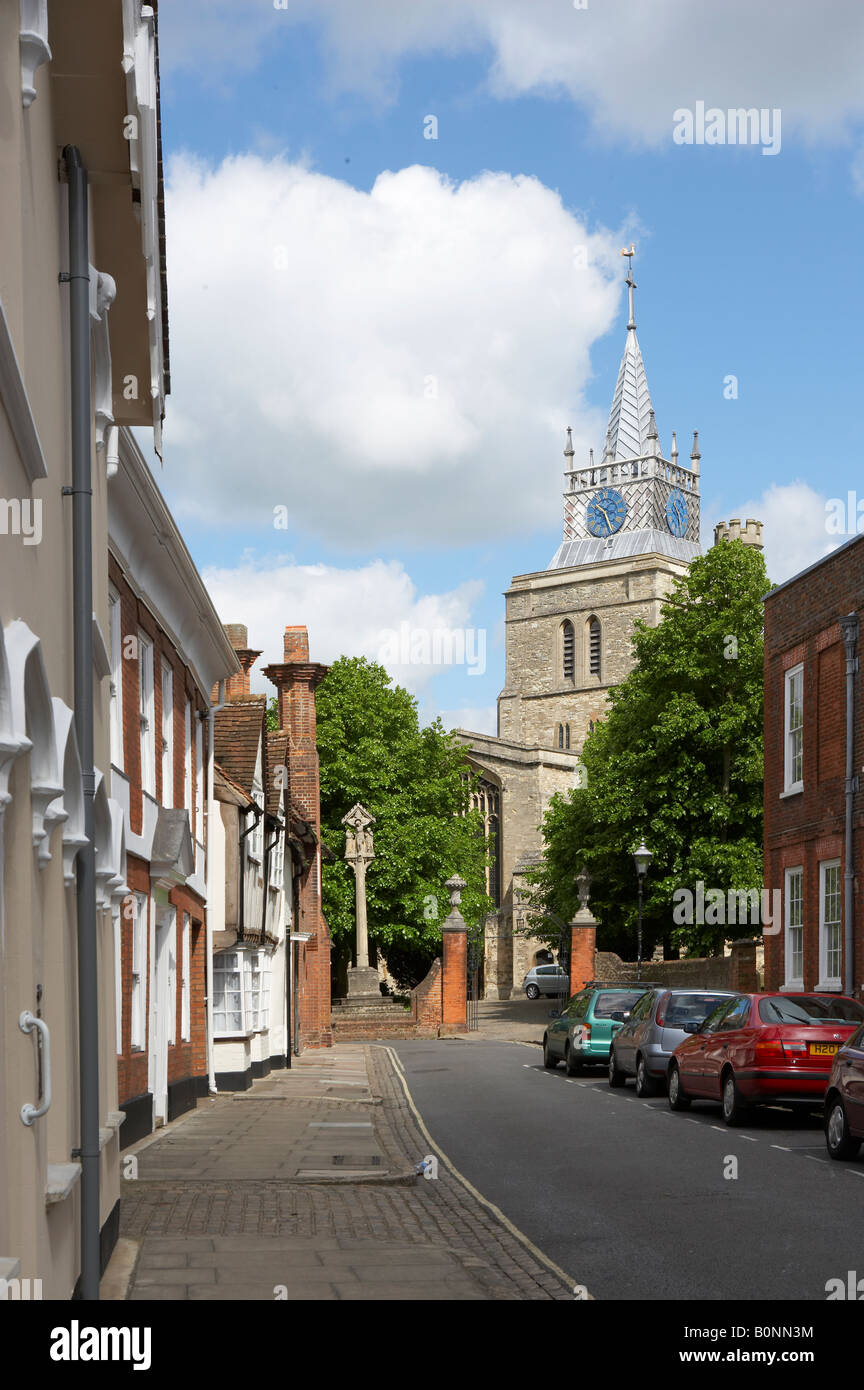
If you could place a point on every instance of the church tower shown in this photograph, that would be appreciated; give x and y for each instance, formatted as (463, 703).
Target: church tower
(631, 528)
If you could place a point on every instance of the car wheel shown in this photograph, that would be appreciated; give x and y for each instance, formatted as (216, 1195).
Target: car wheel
(733, 1106)
(616, 1077)
(532, 991)
(645, 1084)
(838, 1140)
(549, 1060)
(677, 1098)
(572, 1064)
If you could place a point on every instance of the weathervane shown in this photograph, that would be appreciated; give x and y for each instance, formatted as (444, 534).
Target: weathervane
(630, 282)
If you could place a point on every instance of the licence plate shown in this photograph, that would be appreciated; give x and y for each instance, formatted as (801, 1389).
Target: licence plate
(823, 1049)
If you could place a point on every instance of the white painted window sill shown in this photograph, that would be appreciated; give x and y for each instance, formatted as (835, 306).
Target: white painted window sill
(62, 1177)
(829, 987)
(790, 986)
(792, 791)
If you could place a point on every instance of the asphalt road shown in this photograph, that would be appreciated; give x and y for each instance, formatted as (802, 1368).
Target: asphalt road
(631, 1199)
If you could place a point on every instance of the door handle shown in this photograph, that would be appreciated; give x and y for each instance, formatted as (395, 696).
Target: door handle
(27, 1022)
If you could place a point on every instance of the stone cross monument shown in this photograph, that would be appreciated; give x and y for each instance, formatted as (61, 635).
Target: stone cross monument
(359, 852)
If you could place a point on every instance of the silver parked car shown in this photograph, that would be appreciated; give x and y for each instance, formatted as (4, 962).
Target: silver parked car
(656, 1026)
(546, 979)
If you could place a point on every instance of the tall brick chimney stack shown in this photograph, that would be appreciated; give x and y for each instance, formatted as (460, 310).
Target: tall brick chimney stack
(237, 687)
(296, 644)
(296, 679)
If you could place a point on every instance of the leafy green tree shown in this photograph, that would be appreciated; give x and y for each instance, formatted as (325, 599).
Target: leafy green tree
(272, 715)
(414, 782)
(679, 760)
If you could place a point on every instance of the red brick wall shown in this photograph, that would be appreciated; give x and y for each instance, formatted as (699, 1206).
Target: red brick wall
(426, 998)
(135, 616)
(185, 1059)
(801, 624)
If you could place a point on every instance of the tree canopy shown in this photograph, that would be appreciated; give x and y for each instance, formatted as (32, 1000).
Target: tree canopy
(677, 760)
(415, 783)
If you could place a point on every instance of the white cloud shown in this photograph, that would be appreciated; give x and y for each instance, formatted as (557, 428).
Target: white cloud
(629, 63)
(394, 364)
(478, 719)
(348, 612)
(794, 531)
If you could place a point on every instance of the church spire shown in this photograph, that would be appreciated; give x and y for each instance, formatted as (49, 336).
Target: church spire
(629, 428)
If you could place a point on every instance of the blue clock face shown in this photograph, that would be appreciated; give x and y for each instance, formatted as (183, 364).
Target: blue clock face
(606, 512)
(676, 512)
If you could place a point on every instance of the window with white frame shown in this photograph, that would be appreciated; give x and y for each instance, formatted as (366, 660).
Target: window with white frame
(187, 760)
(264, 1011)
(115, 637)
(199, 779)
(793, 724)
(252, 989)
(118, 978)
(241, 992)
(228, 1012)
(185, 986)
(794, 952)
(139, 965)
(277, 856)
(146, 714)
(167, 735)
(172, 979)
(256, 835)
(830, 924)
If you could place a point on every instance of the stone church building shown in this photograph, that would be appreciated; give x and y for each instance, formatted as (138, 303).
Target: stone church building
(631, 528)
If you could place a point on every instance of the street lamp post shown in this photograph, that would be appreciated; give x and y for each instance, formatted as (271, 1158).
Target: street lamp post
(641, 858)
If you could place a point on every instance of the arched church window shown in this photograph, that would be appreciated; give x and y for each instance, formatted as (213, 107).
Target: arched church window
(593, 626)
(566, 735)
(568, 649)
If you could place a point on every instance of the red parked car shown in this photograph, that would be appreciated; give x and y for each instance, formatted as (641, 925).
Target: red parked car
(762, 1049)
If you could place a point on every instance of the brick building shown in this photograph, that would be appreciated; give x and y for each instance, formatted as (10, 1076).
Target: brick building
(271, 962)
(813, 814)
(167, 648)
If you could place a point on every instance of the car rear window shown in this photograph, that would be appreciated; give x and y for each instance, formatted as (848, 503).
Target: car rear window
(615, 1002)
(810, 1008)
(690, 1008)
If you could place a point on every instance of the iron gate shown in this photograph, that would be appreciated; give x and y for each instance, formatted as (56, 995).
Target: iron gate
(474, 961)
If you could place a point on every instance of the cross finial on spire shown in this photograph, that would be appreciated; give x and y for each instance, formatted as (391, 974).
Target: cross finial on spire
(630, 282)
(568, 452)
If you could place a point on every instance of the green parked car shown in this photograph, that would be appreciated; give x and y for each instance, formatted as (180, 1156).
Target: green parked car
(582, 1033)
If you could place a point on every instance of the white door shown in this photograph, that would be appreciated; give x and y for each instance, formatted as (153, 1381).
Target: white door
(160, 1015)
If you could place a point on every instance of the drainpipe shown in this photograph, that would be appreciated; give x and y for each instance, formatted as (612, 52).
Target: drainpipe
(849, 628)
(81, 492)
(208, 962)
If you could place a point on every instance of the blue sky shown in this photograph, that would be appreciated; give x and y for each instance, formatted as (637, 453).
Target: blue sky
(397, 510)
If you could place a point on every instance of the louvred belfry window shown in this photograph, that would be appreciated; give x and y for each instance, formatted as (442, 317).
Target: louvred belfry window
(594, 647)
(569, 650)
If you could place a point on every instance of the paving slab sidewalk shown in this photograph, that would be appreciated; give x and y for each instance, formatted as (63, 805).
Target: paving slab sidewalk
(306, 1187)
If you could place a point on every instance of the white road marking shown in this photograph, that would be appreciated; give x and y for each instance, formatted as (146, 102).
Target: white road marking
(851, 1171)
(814, 1159)
(721, 1129)
(751, 1139)
(783, 1147)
